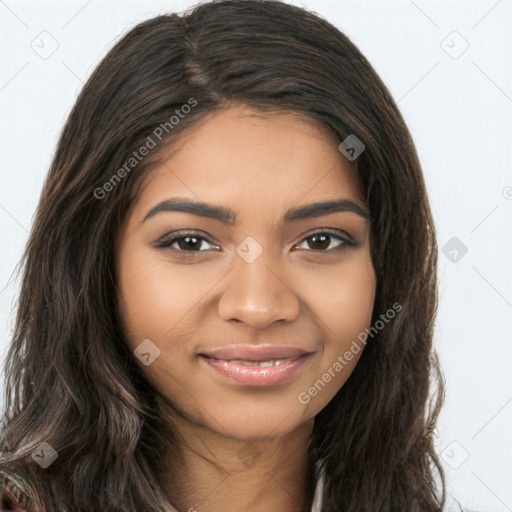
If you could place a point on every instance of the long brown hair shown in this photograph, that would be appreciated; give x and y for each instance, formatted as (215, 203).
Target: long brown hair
(70, 380)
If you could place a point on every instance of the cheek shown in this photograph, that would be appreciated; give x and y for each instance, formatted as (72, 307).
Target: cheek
(143, 297)
(344, 299)
(344, 309)
(350, 307)
(156, 305)
(155, 296)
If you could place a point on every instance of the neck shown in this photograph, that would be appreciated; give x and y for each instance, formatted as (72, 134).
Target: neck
(222, 474)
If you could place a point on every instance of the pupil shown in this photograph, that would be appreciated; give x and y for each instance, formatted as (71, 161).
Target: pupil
(322, 243)
(184, 242)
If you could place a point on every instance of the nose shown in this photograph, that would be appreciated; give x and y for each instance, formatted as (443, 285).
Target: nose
(258, 293)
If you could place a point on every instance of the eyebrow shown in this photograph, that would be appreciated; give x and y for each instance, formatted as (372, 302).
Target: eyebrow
(228, 216)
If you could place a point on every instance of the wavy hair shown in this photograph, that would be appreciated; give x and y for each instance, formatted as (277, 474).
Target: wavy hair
(70, 380)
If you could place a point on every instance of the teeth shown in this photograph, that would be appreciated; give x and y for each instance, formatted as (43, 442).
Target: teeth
(272, 362)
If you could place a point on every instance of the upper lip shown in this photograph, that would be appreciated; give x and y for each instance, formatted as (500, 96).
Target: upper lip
(256, 352)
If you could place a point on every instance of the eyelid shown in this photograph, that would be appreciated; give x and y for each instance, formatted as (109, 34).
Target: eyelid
(165, 241)
(338, 233)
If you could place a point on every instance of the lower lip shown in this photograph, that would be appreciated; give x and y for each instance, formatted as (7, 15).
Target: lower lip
(258, 375)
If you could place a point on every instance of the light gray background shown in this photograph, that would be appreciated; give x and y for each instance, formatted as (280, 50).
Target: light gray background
(458, 107)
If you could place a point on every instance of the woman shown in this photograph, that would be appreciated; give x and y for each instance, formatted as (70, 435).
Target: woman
(288, 367)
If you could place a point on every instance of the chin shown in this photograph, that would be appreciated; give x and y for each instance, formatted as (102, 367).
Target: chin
(260, 425)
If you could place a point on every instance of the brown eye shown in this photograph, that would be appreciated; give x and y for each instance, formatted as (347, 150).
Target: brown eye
(322, 241)
(184, 242)
(189, 242)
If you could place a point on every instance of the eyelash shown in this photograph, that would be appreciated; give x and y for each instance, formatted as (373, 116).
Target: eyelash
(168, 240)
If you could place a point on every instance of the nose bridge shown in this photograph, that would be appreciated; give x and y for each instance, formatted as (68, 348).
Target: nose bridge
(256, 292)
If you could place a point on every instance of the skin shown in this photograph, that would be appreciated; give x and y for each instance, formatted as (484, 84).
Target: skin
(259, 165)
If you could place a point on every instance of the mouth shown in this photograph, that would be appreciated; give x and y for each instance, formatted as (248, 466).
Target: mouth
(257, 365)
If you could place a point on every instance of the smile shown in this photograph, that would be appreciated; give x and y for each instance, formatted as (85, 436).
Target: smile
(258, 373)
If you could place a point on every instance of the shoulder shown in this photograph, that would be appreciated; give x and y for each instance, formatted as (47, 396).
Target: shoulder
(12, 498)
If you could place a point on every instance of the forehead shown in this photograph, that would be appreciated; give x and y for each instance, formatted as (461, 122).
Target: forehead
(248, 159)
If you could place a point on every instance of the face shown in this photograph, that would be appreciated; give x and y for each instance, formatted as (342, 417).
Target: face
(235, 315)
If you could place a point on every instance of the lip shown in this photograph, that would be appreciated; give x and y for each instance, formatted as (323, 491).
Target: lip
(256, 352)
(223, 360)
